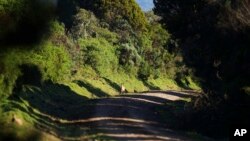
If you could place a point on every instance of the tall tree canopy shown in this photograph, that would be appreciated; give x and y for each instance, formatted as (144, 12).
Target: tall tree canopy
(112, 10)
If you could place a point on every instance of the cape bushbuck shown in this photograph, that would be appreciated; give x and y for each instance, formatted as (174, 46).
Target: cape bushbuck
(123, 89)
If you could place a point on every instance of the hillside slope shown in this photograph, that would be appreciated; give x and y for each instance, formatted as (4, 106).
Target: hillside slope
(56, 57)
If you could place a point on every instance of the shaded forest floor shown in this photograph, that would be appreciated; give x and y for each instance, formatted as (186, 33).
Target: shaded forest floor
(56, 110)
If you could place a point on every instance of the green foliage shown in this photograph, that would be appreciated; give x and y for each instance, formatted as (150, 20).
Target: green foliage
(129, 55)
(99, 54)
(101, 32)
(133, 47)
(86, 25)
(143, 43)
(119, 39)
(90, 58)
(84, 21)
(92, 48)
(144, 71)
(160, 37)
(57, 65)
(110, 10)
(53, 62)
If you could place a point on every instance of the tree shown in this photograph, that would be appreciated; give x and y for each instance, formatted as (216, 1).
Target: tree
(84, 22)
(109, 10)
(214, 38)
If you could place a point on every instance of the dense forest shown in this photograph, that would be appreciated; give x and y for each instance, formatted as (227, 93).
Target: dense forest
(60, 56)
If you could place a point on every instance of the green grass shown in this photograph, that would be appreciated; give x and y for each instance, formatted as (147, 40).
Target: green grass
(52, 61)
(193, 85)
(109, 84)
(164, 83)
(79, 90)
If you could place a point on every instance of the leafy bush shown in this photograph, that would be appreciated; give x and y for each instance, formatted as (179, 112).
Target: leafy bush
(144, 71)
(99, 54)
(84, 21)
(128, 55)
(53, 62)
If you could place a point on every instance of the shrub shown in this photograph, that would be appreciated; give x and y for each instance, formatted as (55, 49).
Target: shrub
(53, 62)
(144, 71)
(99, 54)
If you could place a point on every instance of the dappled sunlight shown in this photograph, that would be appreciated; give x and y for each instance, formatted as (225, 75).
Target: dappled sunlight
(96, 119)
(139, 99)
(127, 127)
(163, 96)
(125, 117)
(138, 137)
(187, 92)
(111, 119)
(125, 124)
(117, 70)
(172, 94)
(116, 105)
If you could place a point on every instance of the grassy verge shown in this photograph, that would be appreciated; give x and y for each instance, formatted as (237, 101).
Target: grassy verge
(93, 85)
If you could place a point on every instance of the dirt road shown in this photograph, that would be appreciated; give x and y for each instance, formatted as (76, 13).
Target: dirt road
(125, 117)
(134, 117)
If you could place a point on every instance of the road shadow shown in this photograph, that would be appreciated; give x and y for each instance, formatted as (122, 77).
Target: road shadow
(30, 75)
(182, 84)
(59, 111)
(48, 105)
(92, 89)
(113, 84)
(51, 99)
(150, 85)
(137, 117)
